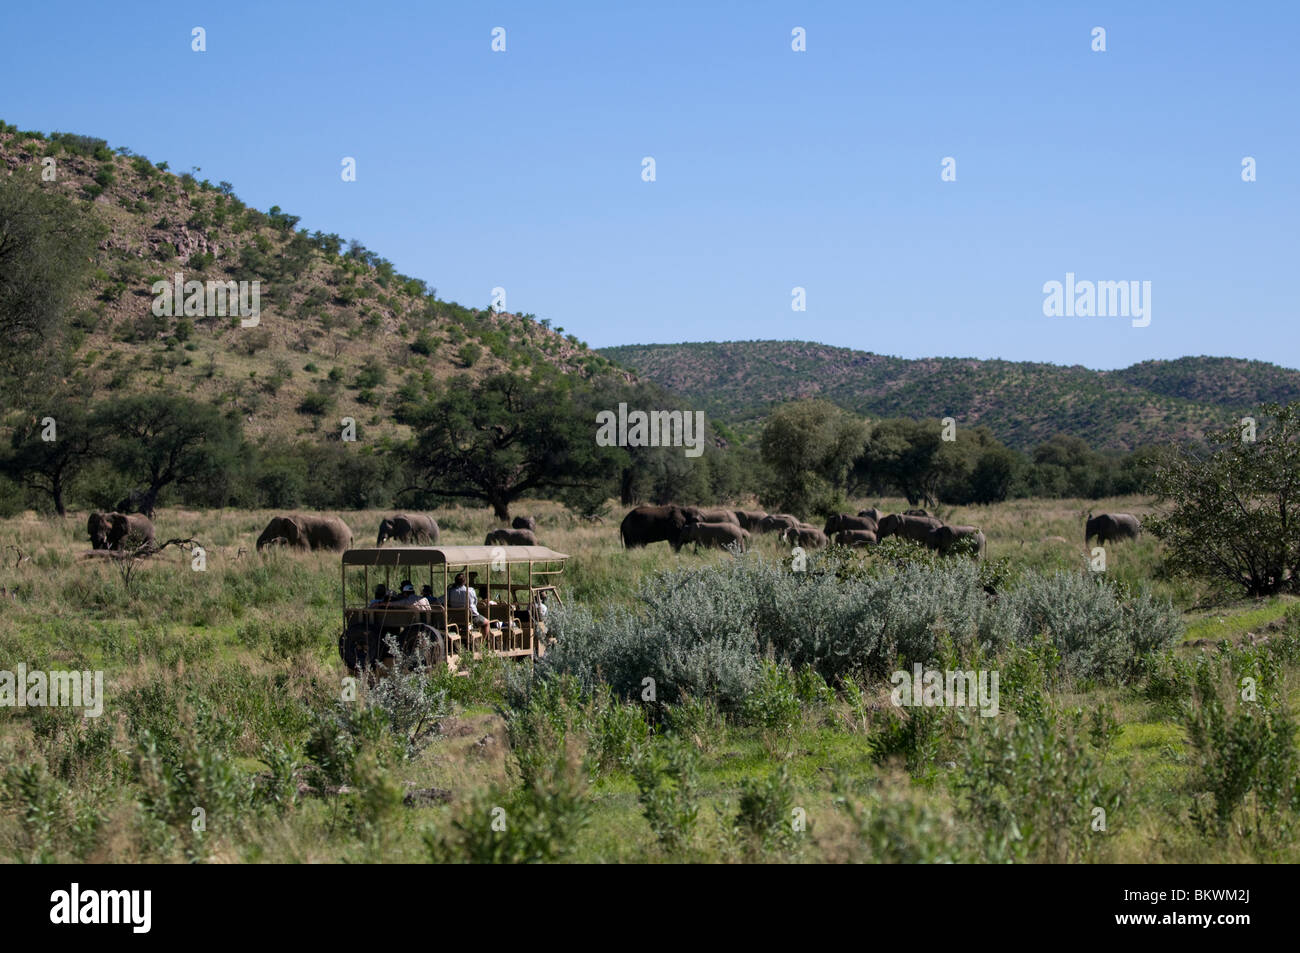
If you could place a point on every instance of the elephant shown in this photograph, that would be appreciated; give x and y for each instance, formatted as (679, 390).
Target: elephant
(943, 538)
(307, 531)
(653, 524)
(855, 537)
(749, 519)
(695, 514)
(113, 530)
(97, 528)
(805, 535)
(915, 528)
(872, 513)
(843, 521)
(1108, 526)
(917, 513)
(408, 529)
(721, 535)
(510, 537)
(778, 523)
(525, 522)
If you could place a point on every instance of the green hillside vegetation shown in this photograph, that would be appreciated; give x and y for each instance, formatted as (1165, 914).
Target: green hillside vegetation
(1022, 403)
(341, 332)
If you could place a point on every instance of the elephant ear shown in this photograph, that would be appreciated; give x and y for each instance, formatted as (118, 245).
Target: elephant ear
(297, 531)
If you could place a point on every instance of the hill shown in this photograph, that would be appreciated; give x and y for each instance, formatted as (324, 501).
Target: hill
(340, 332)
(1022, 403)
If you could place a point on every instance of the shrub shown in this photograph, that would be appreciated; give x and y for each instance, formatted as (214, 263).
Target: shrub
(1243, 736)
(1097, 635)
(765, 817)
(316, 403)
(1033, 789)
(667, 779)
(704, 632)
(891, 829)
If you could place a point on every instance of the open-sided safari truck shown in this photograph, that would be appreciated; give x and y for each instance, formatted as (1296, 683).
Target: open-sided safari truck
(511, 585)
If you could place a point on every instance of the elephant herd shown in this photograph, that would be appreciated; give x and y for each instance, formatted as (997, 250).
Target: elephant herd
(679, 525)
(305, 531)
(723, 528)
(673, 524)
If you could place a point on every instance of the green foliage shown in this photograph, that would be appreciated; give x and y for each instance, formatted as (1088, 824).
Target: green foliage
(1036, 790)
(707, 632)
(1231, 514)
(765, 817)
(1243, 735)
(160, 441)
(504, 436)
(667, 780)
(809, 447)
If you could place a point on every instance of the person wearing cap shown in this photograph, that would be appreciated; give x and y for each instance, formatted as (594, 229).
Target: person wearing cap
(408, 598)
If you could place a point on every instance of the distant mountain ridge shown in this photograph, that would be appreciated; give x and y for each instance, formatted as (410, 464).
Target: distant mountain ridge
(1023, 403)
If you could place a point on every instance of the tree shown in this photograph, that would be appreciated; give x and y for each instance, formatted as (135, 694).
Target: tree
(160, 441)
(905, 454)
(50, 465)
(994, 475)
(976, 467)
(810, 447)
(505, 436)
(1066, 466)
(1234, 508)
(46, 246)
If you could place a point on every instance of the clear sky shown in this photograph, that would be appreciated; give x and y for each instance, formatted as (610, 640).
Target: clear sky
(774, 168)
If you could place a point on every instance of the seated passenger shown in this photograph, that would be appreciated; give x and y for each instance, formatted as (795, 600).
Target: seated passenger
(460, 594)
(409, 600)
(381, 596)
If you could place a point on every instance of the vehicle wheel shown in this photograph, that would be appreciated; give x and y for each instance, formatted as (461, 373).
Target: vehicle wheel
(425, 642)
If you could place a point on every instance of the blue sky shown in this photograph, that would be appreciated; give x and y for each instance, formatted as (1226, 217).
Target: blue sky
(775, 169)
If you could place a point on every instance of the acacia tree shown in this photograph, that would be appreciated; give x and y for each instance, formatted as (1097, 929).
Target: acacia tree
(507, 436)
(160, 441)
(1234, 507)
(50, 465)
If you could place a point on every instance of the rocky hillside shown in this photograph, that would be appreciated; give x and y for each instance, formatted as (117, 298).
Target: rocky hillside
(340, 333)
(1022, 403)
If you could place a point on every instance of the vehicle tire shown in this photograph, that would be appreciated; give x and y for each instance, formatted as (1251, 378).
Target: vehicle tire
(434, 649)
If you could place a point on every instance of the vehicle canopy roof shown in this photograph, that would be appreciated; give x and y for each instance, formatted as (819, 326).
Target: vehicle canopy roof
(449, 555)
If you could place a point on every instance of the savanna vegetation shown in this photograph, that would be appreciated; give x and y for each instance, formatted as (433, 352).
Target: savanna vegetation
(694, 707)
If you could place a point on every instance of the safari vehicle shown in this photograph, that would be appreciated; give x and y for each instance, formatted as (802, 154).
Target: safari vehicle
(511, 584)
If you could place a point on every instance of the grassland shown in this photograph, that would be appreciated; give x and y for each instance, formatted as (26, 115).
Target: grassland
(222, 693)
